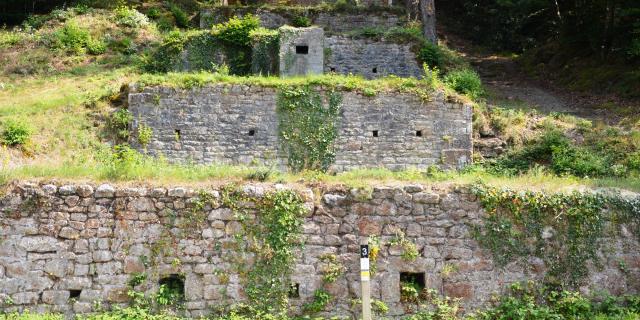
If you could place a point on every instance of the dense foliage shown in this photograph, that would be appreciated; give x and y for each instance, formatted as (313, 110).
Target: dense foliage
(598, 27)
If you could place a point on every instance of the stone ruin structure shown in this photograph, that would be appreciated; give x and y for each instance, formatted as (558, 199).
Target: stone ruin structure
(75, 248)
(239, 124)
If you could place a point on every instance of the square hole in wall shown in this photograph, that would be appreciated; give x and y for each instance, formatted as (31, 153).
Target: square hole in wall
(418, 133)
(302, 49)
(294, 290)
(74, 294)
(374, 70)
(177, 134)
(374, 133)
(252, 132)
(412, 279)
(333, 69)
(172, 286)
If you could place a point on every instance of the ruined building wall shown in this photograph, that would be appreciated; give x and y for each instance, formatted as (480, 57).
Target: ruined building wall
(74, 248)
(370, 58)
(238, 124)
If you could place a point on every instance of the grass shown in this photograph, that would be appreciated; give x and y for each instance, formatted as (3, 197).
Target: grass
(330, 81)
(160, 172)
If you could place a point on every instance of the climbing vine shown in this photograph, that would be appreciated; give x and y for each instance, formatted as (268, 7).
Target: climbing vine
(264, 53)
(307, 127)
(564, 230)
(273, 242)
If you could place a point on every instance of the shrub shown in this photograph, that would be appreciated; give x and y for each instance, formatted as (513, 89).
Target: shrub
(182, 19)
(96, 47)
(431, 55)
(577, 161)
(237, 30)
(465, 81)
(15, 133)
(144, 135)
(300, 21)
(119, 121)
(153, 13)
(71, 37)
(130, 17)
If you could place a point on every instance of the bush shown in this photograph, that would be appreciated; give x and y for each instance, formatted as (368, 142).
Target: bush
(153, 13)
(237, 30)
(300, 21)
(431, 55)
(578, 162)
(72, 38)
(130, 17)
(182, 19)
(96, 47)
(15, 133)
(465, 81)
(118, 122)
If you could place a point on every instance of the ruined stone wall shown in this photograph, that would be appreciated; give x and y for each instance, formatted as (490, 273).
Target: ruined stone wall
(370, 58)
(74, 248)
(332, 22)
(237, 124)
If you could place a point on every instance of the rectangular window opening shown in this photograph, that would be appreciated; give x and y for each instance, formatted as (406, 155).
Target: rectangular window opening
(302, 49)
(414, 279)
(74, 294)
(252, 132)
(173, 286)
(418, 133)
(177, 134)
(294, 290)
(374, 133)
(374, 70)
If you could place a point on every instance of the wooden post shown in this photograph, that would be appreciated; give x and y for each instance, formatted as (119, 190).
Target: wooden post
(365, 280)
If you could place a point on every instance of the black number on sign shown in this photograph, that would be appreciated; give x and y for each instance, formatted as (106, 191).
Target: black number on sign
(364, 251)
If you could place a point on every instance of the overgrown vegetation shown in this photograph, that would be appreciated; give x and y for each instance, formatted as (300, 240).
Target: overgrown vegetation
(308, 127)
(565, 230)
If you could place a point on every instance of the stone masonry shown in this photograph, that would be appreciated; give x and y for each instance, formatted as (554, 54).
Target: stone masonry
(370, 58)
(238, 124)
(73, 248)
(332, 22)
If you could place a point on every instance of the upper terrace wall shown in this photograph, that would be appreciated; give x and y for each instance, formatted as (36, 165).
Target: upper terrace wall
(332, 22)
(238, 124)
(74, 248)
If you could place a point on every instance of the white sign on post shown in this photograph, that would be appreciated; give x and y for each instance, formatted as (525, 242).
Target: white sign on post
(365, 281)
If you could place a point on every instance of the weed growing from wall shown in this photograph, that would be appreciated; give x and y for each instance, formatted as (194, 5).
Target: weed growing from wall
(307, 127)
(564, 230)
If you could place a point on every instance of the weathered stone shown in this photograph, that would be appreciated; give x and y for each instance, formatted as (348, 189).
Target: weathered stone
(427, 198)
(69, 233)
(105, 191)
(55, 297)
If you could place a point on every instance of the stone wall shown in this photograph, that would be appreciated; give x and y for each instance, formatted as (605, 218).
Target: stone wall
(237, 124)
(370, 58)
(301, 51)
(73, 248)
(332, 22)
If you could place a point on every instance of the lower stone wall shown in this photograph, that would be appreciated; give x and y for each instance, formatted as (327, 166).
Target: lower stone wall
(72, 248)
(370, 58)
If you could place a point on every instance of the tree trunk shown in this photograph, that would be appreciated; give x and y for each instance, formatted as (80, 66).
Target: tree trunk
(428, 14)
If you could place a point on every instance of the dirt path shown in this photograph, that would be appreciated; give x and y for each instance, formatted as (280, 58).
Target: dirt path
(508, 85)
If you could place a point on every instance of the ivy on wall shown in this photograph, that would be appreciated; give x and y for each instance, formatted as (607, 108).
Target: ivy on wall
(308, 128)
(273, 243)
(564, 230)
(264, 53)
